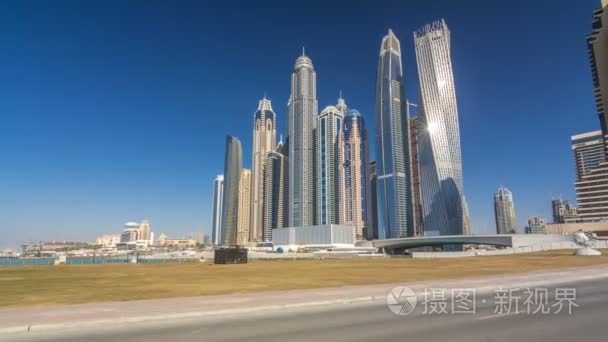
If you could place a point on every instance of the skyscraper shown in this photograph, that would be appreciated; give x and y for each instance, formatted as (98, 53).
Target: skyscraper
(244, 216)
(392, 144)
(597, 45)
(372, 233)
(233, 165)
(592, 194)
(264, 141)
(415, 172)
(301, 120)
(275, 194)
(218, 201)
(354, 187)
(439, 134)
(329, 124)
(504, 211)
(588, 151)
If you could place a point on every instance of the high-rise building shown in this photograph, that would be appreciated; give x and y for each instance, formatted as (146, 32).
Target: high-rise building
(536, 225)
(218, 201)
(264, 141)
(233, 165)
(275, 195)
(392, 144)
(588, 151)
(301, 121)
(563, 212)
(329, 124)
(504, 211)
(415, 172)
(372, 232)
(597, 45)
(592, 194)
(244, 216)
(439, 134)
(353, 167)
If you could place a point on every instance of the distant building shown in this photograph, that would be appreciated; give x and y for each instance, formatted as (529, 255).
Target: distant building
(136, 231)
(597, 45)
(588, 152)
(353, 179)
(536, 225)
(563, 212)
(264, 141)
(218, 201)
(233, 166)
(275, 194)
(327, 235)
(109, 240)
(244, 218)
(164, 241)
(504, 211)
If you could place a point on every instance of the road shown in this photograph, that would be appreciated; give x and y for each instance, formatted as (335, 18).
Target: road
(374, 322)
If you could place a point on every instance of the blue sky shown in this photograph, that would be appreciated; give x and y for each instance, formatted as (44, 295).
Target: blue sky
(114, 111)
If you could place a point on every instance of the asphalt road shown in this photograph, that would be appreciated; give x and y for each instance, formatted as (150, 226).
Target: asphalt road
(375, 322)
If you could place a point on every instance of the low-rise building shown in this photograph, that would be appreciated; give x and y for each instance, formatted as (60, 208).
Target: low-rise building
(536, 225)
(326, 235)
(109, 240)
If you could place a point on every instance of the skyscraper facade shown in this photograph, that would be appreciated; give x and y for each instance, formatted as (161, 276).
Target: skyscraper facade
(504, 211)
(592, 194)
(275, 195)
(353, 164)
(439, 134)
(588, 151)
(301, 122)
(392, 144)
(218, 201)
(329, 124)
(415, 173)
(597, 45)
(244, 216)
(563, 212)
(264, 141)
(372, 232)
(233, 165)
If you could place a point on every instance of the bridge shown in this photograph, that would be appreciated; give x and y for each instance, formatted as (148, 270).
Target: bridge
(503, 240)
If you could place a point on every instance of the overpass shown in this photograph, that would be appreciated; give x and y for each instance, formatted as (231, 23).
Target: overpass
(504, 240)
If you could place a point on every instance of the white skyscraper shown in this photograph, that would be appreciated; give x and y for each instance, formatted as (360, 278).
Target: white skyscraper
(439, 134)
(301, 120)
(218, 200)
(504, 211)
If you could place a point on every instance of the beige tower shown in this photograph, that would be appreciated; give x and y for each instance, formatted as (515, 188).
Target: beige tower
(264, 141)
(244, 210)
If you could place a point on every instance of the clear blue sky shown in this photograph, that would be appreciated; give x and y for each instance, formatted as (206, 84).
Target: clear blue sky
(114, 111)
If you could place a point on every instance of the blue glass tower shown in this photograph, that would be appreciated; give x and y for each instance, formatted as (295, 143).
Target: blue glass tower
(392, 144)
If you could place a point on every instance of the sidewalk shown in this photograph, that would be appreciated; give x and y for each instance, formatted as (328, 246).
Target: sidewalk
(82, 315)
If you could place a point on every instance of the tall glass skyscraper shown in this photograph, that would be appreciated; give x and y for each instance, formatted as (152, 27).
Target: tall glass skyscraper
(264, 141)
(504, 211)
(301, 121)
(218, 199)
(328, 127)
(275, 193)
(353, 175)
(392, 144)
(439, 134)
(233, 165)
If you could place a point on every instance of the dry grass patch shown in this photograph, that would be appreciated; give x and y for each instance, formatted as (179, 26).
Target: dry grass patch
(71, 284)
